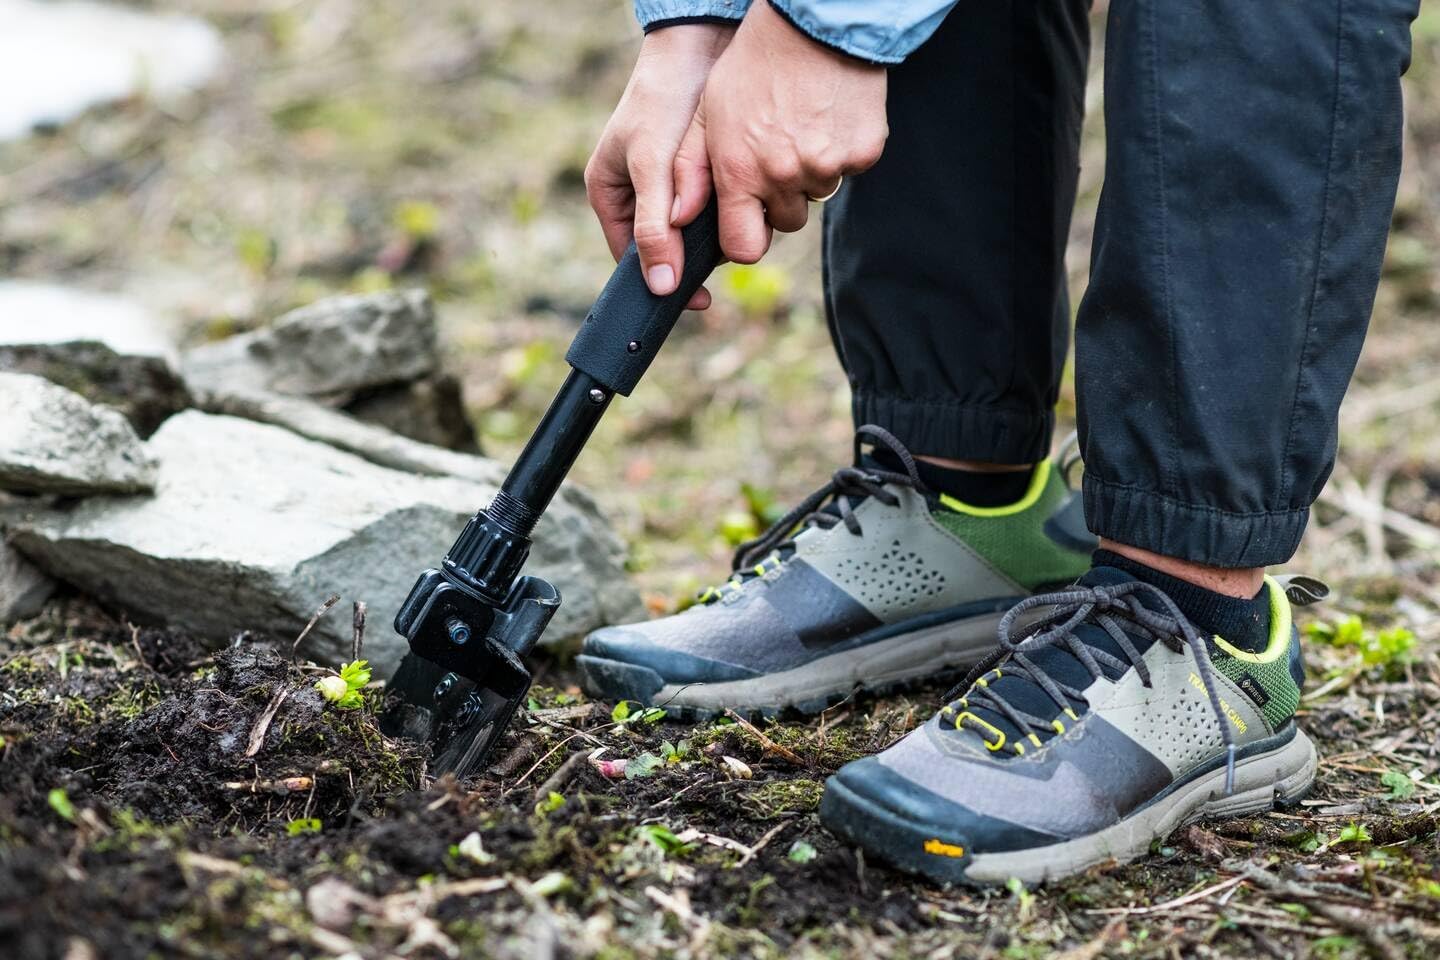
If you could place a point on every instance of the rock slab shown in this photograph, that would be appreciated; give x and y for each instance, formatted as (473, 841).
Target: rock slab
(23, 588)
(329, 349)
(142, 387)
(52, 440)
(252, 527)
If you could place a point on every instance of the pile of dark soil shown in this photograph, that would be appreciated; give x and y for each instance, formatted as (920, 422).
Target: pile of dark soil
(157, 800)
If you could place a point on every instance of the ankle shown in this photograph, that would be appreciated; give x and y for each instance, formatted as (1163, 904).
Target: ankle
(1242, 583)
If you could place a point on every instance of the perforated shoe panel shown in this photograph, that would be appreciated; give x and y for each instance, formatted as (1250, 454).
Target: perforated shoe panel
(903, 563)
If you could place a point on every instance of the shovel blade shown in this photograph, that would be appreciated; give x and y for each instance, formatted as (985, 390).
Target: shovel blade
(459, 696)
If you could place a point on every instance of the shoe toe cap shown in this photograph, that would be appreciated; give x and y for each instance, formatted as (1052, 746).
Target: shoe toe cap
(634, 645)
(898, 819)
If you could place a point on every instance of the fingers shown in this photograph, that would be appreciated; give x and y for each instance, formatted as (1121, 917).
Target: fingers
(607, 186)
(692, 173)
(744, 233)
(662, 253)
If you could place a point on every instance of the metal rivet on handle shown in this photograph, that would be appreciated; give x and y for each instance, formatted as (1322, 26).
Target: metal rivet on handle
(597, 395)
(633, 346)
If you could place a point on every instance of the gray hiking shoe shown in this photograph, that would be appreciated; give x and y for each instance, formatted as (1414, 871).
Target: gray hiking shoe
(885, 583)
(1101, 728)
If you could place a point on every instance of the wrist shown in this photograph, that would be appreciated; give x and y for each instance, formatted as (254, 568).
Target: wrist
(701, 37)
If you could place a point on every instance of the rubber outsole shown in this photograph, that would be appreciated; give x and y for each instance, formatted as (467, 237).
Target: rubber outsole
(1264, 781)
(878, 669)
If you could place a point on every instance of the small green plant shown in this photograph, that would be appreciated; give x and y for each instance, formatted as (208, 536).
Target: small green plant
(624, 713)
(59, 801)
(801, 852)
(550, 804)
(674, 752)
(303, 825)
(1400, 786)
(1024, 899)
(345, 689)
(1353, 833)
(1389, 649)
(665, 839)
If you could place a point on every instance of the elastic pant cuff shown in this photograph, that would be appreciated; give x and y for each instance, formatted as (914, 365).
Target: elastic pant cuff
(1190, 531)
(958, 431)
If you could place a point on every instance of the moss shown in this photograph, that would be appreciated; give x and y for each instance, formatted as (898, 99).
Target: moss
(779, 798)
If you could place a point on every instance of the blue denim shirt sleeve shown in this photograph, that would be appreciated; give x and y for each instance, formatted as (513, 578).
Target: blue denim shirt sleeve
(650, 12)
(881, 31)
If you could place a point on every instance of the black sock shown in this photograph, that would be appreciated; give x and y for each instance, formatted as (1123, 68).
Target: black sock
(1240, 622)
(968, 486)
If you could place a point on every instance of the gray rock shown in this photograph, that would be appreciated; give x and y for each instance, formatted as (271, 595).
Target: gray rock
(142, 387)
(431, 410)
(52, 440)
(344, 432)
(329, 349)
(252, 526)
(23, 588)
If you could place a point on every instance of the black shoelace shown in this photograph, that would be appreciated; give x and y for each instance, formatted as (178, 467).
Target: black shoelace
(1107, 607)
(826, 507)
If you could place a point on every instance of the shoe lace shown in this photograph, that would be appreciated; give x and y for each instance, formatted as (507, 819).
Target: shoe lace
(824, 509)
(1108, 607)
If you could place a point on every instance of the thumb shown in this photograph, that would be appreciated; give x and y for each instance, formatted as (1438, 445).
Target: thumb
(661, 250)
(693, 184)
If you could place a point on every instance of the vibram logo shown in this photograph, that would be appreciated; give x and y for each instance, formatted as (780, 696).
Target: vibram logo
(942, 849)
(1230, 711)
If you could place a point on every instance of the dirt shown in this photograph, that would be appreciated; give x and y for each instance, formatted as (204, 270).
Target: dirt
(133, 824)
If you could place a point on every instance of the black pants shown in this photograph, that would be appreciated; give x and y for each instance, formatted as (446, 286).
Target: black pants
(1252, 155)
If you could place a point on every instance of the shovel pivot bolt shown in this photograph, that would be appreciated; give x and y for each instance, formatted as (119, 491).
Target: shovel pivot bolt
(459, 631)
(633, 346)
(443, 687)
(597, 395)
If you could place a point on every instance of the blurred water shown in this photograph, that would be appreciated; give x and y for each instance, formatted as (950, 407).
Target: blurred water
(57, 59)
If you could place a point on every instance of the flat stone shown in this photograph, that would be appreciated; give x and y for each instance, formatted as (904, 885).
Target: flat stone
(52, 440)
(330, 349)
(252, 526)
(142, 387)
(23, 588)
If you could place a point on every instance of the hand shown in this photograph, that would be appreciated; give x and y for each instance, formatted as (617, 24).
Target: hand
(629, 178)
(782, 117)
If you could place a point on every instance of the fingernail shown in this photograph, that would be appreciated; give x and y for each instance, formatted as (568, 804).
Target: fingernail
(675, 211)
(662, 278)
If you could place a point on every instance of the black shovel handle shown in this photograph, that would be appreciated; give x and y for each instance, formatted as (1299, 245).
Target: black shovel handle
(628, 324)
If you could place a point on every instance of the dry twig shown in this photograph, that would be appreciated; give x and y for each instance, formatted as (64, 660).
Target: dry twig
(324, 609)
(769, 745)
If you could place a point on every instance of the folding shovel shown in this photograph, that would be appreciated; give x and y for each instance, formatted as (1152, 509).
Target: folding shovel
(471, 621)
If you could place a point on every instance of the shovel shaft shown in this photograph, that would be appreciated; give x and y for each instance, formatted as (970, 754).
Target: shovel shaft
(620, 337)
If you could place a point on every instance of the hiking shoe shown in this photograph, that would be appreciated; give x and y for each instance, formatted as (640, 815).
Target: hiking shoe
(884, 583)
(1096, 731)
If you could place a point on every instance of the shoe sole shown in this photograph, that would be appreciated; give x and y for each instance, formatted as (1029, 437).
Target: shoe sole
(1272, 779)
(878, 668)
